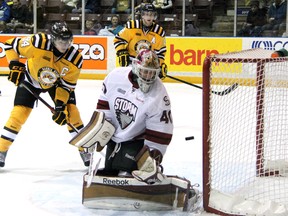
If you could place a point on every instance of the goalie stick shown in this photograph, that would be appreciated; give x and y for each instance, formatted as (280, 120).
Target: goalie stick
(94, 165)
(221, 93)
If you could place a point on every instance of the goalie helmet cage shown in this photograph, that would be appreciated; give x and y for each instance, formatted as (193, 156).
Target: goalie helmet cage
(245, 134)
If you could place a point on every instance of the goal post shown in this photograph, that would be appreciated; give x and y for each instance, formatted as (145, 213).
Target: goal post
(245, 133)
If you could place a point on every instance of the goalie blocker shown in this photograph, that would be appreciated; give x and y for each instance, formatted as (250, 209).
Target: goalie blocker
(98, 131)
(129, 194)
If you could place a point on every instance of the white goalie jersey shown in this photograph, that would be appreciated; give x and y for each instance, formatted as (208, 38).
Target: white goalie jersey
(135, 114)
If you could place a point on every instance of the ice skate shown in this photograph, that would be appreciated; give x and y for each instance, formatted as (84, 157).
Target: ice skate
(194, 199)
(85, 156)
(2, 158)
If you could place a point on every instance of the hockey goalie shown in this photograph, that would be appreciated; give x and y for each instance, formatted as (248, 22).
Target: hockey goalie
(133, 123)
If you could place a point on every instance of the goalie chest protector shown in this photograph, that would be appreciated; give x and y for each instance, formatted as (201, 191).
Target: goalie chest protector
(129, 194)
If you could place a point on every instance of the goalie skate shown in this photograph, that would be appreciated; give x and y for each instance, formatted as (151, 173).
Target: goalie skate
(129, 194)
(194, 199)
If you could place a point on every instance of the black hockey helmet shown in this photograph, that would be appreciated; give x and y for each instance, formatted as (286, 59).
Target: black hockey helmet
(60, 30)
(61, 36)
(148, 8)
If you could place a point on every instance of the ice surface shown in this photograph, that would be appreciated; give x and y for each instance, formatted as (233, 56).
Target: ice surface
(43, 173)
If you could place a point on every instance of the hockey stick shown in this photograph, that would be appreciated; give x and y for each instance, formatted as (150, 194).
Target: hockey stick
(46, 104)
(221, 93)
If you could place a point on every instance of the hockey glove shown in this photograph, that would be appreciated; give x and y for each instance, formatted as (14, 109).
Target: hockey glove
(163, 71)
(123, 56)
(16, 74)
(149, 171)
(59, 116)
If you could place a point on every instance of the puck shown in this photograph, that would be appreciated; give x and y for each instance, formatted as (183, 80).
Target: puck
(189, 138)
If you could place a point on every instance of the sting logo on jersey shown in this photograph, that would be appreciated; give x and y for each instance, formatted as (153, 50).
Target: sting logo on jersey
(142, 44)
(47, 76)
(125, 112)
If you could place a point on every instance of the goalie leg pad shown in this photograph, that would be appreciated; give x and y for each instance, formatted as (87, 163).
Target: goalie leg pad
(98, 130)
(126, 194)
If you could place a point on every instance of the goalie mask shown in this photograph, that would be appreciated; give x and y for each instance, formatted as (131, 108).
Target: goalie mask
(62, 36)
(146, 68)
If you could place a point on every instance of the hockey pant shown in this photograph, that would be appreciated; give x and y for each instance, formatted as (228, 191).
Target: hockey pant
(121, 157)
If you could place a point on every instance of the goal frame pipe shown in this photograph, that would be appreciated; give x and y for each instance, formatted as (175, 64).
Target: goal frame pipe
(205, 135)
(260, 97)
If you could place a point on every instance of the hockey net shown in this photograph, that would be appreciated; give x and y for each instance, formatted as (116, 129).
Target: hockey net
(245, 134)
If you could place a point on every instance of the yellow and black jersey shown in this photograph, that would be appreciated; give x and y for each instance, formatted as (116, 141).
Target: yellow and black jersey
(134, 38)
(44, 69)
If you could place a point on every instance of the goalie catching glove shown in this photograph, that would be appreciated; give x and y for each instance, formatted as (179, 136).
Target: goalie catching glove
(123, 56)
(98, 131)
(16, 74)
(149, 169)
(60, 113)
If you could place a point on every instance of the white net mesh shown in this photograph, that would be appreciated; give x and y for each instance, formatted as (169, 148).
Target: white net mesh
(248, 132)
